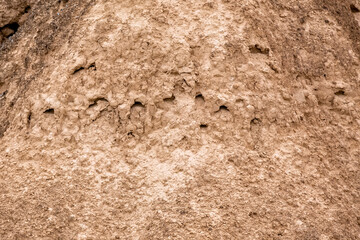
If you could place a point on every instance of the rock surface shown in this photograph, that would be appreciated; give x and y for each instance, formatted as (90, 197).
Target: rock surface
(198, 119)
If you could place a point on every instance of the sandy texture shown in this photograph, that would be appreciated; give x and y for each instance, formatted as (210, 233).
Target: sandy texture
(216, 119)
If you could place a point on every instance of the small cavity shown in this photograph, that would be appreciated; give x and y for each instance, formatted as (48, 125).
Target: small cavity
(92, 67)
(29, 118)
(354, 9)
(27, 9)
(340, 93)
(199, 99)
(4, 93)
(302, 20)
(131, 134)
(93, 105)
(203, 126)
(49, 111)
(95, 101)
(137, 104)
(78, 69)
(257, 49)
(223, 107)
(253, 214)
(255, 121)
(186, 83)
(170, 99)
(9, 29)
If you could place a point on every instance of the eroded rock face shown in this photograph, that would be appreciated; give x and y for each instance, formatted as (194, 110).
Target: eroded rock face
(180, 119)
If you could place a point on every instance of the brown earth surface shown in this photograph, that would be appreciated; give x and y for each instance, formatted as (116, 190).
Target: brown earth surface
(174, 119)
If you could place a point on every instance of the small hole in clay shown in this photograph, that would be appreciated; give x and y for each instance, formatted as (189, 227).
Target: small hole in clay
(200, 97)
(223, 107)
(27, 9)
(137, 104)
(170, 99)
(203, 125)
(9, 29)
(354, 9)
(255, 121)
(29, 118)
(253, 214)
(340, 93)
(93, 105)
(4, 93)
(92, 67)
(49, 111)
(95, 101)
(199, 100)
(78, 69)
(259, 49)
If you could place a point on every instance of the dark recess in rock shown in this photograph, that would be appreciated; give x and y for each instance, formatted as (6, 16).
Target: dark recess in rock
(170, 99)
(354, 9)
(78, 70)
(49, 111)
(137, 104)
(9, 29)
(257, 49)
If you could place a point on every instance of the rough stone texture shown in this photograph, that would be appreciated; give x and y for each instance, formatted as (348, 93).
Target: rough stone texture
(197, 119)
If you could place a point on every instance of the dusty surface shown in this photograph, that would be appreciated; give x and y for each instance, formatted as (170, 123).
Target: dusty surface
(167, 119)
